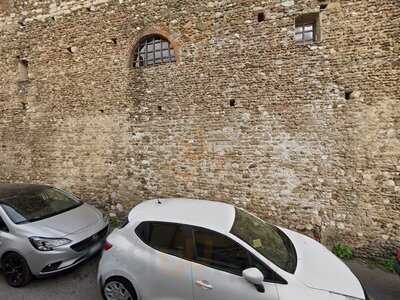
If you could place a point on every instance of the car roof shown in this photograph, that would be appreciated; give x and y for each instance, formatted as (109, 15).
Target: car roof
(212, 215)
(12, 189)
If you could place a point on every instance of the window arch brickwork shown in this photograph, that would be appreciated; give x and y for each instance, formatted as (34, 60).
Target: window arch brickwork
(162, 34)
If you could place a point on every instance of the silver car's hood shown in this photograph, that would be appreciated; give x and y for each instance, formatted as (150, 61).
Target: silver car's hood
(69, 222)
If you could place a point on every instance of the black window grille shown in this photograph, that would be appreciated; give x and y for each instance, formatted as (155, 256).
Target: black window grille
(154, 50)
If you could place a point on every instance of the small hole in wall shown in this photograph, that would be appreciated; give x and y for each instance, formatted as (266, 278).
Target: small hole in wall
(159, 108)
(323, 6)
(23, 69)
(24, 105)
(232, 103)
(114, 40)
(22, 22)
(72, 49)
(102, 111)
(260, 17)
(347, 94)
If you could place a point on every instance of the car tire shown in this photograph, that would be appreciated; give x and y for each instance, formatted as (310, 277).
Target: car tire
(16, 270)
(115, 286)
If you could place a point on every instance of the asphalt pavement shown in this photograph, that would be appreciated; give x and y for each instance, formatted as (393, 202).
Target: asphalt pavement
(81, 284)
(380, 284)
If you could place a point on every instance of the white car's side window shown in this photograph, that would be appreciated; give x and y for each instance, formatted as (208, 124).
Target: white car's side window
(3, 226)
(165, 237)
(204, 246)
(220, 252)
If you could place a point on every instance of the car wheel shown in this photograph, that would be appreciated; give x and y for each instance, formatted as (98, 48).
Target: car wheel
(118, 288)
(16, 270)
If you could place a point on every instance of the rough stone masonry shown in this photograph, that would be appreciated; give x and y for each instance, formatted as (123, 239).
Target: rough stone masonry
(305, 135)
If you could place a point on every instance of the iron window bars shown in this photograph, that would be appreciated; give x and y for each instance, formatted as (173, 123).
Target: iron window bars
(154, 50)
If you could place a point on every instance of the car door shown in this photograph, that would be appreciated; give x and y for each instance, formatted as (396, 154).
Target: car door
(167, 274)
(217, 269)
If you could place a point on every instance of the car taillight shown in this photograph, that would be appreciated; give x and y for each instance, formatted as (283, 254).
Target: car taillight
(107, 246)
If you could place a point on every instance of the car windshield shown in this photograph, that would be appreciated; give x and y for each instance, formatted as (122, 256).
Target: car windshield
(268, 240)
(39, 204)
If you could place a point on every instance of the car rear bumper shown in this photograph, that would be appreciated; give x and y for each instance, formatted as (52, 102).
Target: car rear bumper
(64, 258)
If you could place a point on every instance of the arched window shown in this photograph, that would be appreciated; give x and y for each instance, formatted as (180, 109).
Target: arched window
(153, 50)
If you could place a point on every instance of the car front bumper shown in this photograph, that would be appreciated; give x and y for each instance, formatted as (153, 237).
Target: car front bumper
(89, 243)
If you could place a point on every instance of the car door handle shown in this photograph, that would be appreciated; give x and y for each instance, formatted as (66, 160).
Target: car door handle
(204, 284)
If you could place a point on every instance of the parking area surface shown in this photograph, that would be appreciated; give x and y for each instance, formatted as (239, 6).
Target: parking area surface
(77, 284)
(380, 285)
(81, 284)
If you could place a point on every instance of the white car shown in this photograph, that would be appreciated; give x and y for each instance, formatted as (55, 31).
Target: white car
(202, 250)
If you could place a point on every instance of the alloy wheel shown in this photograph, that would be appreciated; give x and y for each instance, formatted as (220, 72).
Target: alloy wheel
(115, 290)
(14, 270)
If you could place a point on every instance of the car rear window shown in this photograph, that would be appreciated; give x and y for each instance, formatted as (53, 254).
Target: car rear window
(3, 226)
(165, 237)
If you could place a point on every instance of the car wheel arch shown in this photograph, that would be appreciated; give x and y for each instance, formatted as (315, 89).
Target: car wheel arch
(122, 274)
(28, 273)
(122, 279)
(10, 252)
(14, 251)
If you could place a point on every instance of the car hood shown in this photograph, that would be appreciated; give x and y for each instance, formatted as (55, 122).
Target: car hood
(66, 223)
(318, 268)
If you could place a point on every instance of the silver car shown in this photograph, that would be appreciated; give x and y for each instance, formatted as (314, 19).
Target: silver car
(44, 230)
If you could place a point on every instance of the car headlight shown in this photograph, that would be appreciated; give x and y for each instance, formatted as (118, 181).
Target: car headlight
(47, 244)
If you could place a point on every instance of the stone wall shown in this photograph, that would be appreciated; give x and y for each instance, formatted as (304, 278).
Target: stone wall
(246, 115)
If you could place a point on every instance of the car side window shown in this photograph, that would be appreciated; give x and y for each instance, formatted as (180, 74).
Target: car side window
(220, 252)
(165, 237)
(3, 226)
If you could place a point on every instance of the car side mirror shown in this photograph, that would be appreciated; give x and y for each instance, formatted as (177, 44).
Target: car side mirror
(255, 277)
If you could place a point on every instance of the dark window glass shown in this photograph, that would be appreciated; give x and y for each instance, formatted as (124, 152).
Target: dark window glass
(217, 251)
(220, 252)
(3, 226)
(305, 33)
(142, 231)
(153, 50)
(268, 240)
(38, 205)
(165, 237)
